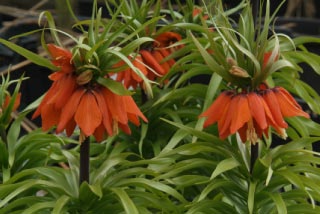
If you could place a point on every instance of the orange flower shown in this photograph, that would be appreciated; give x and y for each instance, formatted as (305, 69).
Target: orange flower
(98, 111)
(73, 100)
(15, 104)
(151, 61)
(7, 101)
(167, 39)
(197, 11)
(61, 58)
(266, 58)
(129, 77)
(252, 113)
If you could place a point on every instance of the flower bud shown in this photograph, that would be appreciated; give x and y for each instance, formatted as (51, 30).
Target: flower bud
(237, 71)
(84, 77)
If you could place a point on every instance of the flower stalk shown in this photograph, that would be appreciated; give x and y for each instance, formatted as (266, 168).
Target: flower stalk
(84, 161)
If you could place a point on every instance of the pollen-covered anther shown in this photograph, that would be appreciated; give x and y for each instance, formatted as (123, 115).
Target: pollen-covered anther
(84, 77)
(252, 136)
(237, 71)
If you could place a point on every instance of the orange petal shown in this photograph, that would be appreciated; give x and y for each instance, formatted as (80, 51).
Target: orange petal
(229, 115)
(125, 128)
(99, 132)
(288, 105)
(71, 125)
(271, 100)
(70, 108)
(116, 106)
(165, 39)
(241, 115)
(243, 132)
(132, 108)
(50, 117)
(88, 115)
(215, 111)
(257, 110)
(106, 115)
(65, 87)
(57, 52)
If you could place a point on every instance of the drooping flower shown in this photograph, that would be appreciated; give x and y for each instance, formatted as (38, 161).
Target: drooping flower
(75, 99)
(266, 58)
(152, 61)
(167, 39)
(199, 11)
(252, 113)
(99, 112)
(7, 101)
(127, 76)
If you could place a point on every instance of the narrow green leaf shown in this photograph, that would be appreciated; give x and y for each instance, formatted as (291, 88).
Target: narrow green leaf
(224, 166)
(144, 130)
(96, 189)
(59, 205)
(153, 185)
(114, 86)
(213, 186)
(251, 196)
(280, 204)
(35, 208)
(200, 134)
(127, 203)
(35, 58)
(12, 137)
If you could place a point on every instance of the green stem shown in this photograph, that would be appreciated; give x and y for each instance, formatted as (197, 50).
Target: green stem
(84, 161)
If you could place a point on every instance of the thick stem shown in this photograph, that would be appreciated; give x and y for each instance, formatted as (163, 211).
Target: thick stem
(255, 10)
(254, 155)
(84, 161)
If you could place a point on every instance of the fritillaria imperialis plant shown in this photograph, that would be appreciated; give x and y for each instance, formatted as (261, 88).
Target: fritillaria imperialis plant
(185, 108)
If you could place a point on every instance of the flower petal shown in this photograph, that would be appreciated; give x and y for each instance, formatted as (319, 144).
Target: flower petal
(88, 115)
(70, 108)
(49, 116)
(288, 105)
(106, 115)
(215, 111)
(132, 108)
(116, 106)
(257, 110)
(272, 102)
(241, 115)
(50, 93)
(229, 115)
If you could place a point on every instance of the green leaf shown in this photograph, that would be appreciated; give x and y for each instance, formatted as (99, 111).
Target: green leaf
(3, 155)
(114, 86)
(35, 58)
(251, 196)
(200, 134)
(59, 205)
(153, 185)
(224, 166)
(35, 208)
(216, 184)
(96, 189)
(126, 202)
(280, 204)
(12, 137)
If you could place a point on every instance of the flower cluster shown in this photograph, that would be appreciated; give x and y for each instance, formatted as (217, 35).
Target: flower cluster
(252, 113)
(73, 100)
(153, 61)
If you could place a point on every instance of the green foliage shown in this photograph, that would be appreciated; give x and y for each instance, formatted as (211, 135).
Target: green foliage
(171, 164)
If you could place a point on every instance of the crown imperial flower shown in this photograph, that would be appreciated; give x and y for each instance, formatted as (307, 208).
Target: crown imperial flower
(252, 113)
(74, 100)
